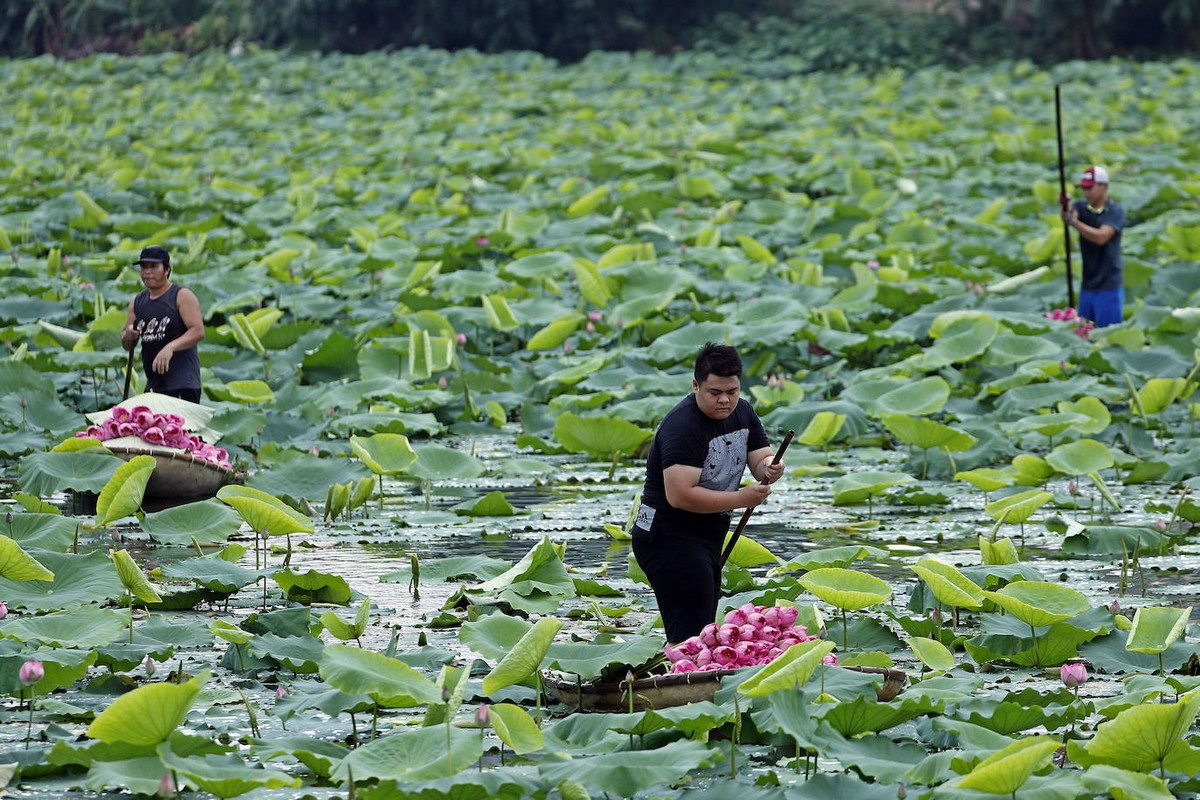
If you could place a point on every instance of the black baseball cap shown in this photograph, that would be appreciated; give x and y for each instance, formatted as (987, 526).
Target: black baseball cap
(154, 254)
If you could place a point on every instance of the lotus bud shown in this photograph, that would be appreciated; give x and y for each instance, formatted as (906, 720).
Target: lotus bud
(708, 635)
(673, 653)
(446, 694)
(1160, 525)
(724, 655)
(8, 517)
(756, 619)
(787, 616)
(166, 786)
(769, 633)
(568, 347)
(3, 610)
(483, 715)
(460, 338)
(729, 635)
(771, 616)
(1114, 607)
(31, 672)
(280, 692)
(1073, 488)
(442, 382)
(901, 792)
(148, 665)
(830, 660)
(590, 327)
(703, 658)
(935, 616)
(595, 316)
(1073, 673)
(684, 666)
(481, 241)
(691, 646)
(736, 617)
(774, 653)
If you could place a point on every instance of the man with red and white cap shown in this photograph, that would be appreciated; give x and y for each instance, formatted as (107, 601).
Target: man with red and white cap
(1099, 221)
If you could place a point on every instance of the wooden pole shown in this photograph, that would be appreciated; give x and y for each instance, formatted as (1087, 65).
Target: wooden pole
(737, 532)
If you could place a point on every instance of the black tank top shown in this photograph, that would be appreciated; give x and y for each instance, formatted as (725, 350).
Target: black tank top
(161, 323)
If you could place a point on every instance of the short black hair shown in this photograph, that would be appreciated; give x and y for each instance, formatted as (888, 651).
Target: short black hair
(721, 360)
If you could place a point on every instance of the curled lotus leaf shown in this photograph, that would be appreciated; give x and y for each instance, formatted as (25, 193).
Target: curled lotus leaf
(847, 589)
(949, 585)
(1039, 603)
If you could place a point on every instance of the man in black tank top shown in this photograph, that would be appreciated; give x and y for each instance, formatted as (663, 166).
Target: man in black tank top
(168, 320)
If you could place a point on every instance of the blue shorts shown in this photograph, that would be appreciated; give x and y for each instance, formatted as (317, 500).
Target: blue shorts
(1102, 308)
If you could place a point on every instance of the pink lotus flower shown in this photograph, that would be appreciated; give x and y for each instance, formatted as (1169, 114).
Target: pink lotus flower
(128, 429)
(121, 414)
(3, 610)
(1073, 673)
(736, 617)
(830, 660)
(729, 634)
(708, 635)
(166, 786)
(460, 338)
(683, 665)
(143, 416)
(481, 241)
(483, 715)
(595, 316)
(31, 672)
(154, 435)
(703, 658)
(787, 616)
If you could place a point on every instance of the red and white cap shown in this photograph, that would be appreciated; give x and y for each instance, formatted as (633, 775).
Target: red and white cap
(1092, 176)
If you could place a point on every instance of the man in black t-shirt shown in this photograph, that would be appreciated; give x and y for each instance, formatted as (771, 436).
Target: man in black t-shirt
(693, 477)
(1099, 221)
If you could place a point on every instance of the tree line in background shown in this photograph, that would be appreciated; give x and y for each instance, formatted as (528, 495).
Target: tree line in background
(824, 34)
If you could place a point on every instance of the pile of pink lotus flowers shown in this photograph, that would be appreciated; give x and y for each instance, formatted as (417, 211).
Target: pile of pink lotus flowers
(750, 636)
(1068, 314)
(164, 430)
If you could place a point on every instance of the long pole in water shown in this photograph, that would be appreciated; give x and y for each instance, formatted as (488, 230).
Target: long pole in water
(737, 532)
(1063, 200)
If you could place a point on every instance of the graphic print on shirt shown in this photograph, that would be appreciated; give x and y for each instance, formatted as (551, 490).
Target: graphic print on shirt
(156, 329)
(725, 462)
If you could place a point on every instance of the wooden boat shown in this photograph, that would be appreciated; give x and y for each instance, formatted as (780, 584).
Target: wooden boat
(178, 475)
(676, 689)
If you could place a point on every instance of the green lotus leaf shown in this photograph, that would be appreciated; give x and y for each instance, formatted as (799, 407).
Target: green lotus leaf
(525, 657)
(605, 652)
(78, 579)
(842, 556)
(17, 565)
(435, 462)
(423, 754)
(212, 573)
(949, 585)
(384, 453)
(1123, 784)
(229, 632)
(252, 391)
(313, 586)
(123, 493)
(822, 428)
(927, 434)
(793, 668)
(1156, 628)
(1017, 507)
(45, 474)
(999, 552)
(986, 479)
(81, 626)
(1080, 458)
(345, 631)
(916, 399)
(1139, 738)
(1039, 603)
(499, 315)
(858, 486)
(223, 775)
(132, 577)
(265, 513)
(306, 477)
(1004, 772)
(389, 682)
(963, 340)
(603, 437)
(51, 531)
(206, 521)
(148, 714)
(1031, 470)
(749, 553)
(492, 504)
(555, 333)
(516, 728)
(933, 653)
(1045, 424)
(1158, 393)
(631, 772)
(847, 589)
(1091, 407)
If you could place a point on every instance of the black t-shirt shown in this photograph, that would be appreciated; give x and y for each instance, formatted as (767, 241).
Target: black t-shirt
(160, 322)
(717, 447)
(1101, 262)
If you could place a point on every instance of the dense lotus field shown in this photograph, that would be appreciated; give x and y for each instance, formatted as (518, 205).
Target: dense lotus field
(449, 296)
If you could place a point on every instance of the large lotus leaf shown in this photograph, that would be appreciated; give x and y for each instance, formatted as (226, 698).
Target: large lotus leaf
(313, 586)
(62, 667)
(1017, 507)
(1140, 738)
(600, 436)
(858, 486)
(842, 556)
(435, 462)
(626, 774)
(793, 668)
(949, 585)
(132, 577)
(389, 682)
(1123, 784)
(212, 573)
(847, 589)
(441, 570)
(1091, 407)
(555, 333)
(494, 635)
(822, 429)
(306, 477)
(516, 728)
(413, 755)
(142, 775)
(46, 474)
(589, 659)
(749, 553)
(206, 521)
(932, 653)
(298, 654)
(148, 714)
(493, 504)
(85, 578)
(384, 453)
(1046, 424)
(43, 531)
(1031, 470)
(915, 399)
(1006, 771)
(541, 569)
(986, 479)
(1158, 393)
(925, 433)
(1083, 457)
(17, 565)
(961, 341)
(345, 631)
(1156, 628)
(223, 775)
(525, 657)
(265, 513)
(1039, 603)
(1009, 349)
(81, 626)
(865, 714)
(999, 552)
